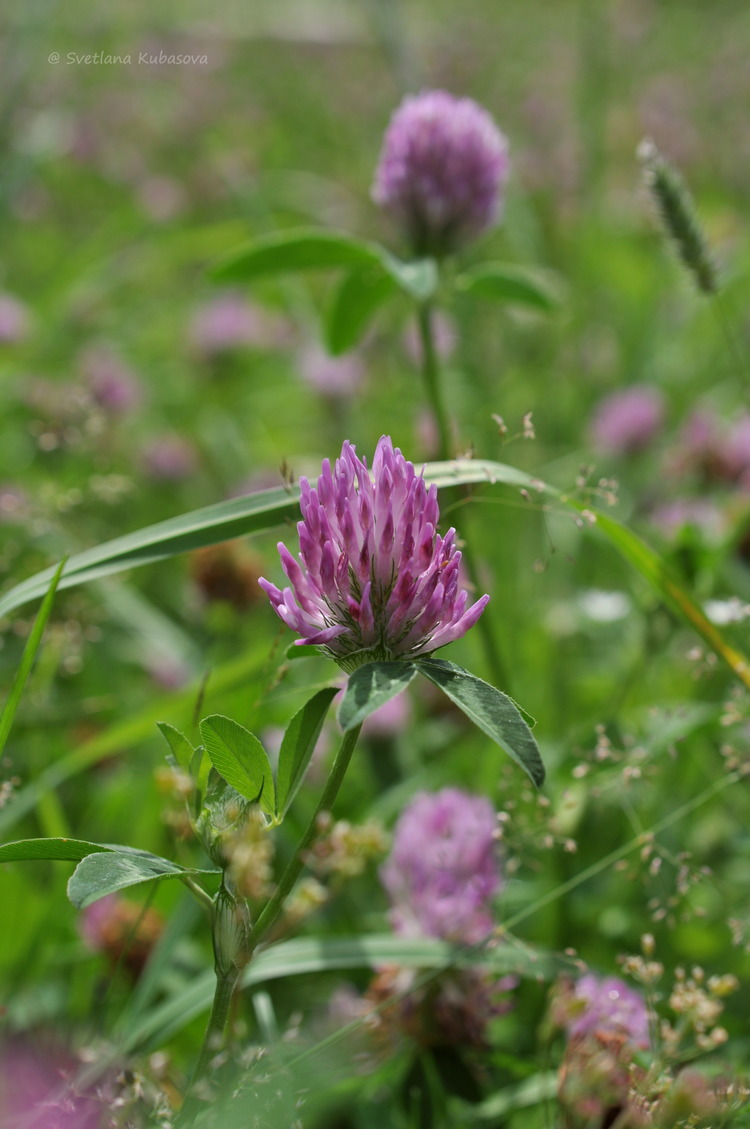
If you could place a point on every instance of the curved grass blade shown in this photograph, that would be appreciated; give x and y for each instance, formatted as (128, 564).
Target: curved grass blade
(532, 1091)
(125, 734)
(324, 954)
(665, 583)
(222, 521)
(27, 658)
(255, 512)
(207, 526)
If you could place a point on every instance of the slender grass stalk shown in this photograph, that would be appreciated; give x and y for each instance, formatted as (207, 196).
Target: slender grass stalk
(431, 375)
(492, 653)
(33, 644)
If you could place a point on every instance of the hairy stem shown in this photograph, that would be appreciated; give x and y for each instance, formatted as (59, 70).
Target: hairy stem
(218, 1019)
(212, 1040)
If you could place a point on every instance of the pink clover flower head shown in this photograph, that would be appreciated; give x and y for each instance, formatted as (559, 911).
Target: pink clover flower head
(229, 321)
(737, 449)
(15, 322)
(113, 385)
(374, 580)
(627, 421)
(608, 1006)
(169, 458)
(36, 1090)
(335, 377)
(443, 870)
(441, 171)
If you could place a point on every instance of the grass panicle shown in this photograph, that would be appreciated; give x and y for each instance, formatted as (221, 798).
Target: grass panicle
(679, 217)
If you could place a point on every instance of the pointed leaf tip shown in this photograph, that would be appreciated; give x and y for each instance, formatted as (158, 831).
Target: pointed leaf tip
(240, 759)
(493, 712)
(298, 746)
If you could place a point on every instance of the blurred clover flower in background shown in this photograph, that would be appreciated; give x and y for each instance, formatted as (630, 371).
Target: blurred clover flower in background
(441, 171)
(229, 321)
(114, 387)
(36, 1089)
(607, 1023)
(168, 458)
(443, 870)
(15, 322)
(607, 1005)
(627, 421)
(441, 876)
(374, 579)
(332, 377)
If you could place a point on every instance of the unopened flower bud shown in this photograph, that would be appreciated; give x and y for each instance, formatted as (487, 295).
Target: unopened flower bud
(231, 930)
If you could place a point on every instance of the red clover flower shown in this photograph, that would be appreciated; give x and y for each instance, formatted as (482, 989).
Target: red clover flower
(607, 1005)
(374, 579)
(443, 870)
(441, 171)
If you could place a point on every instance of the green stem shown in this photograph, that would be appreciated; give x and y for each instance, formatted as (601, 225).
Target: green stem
(217, 1022)
(212, 1040)
(733, 347)
(274, 907)
(198, 893)
(431, 375)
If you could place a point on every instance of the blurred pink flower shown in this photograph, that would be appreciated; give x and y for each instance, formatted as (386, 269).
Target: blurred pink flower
(701, 513)
(391, 719)
(608, 1005)
(337, 377)
(712, 449)
(113, 384)
(14, 503)
(161, 197)
(15, 321)
(627, 421)
(737, 450)
(121, 930)
(229, 321)
(442, 168)
(169, 458)
(36, 1091)
(443, 871)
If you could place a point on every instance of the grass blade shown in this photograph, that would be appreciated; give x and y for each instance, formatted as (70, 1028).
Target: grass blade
(222, 521)
(256, 512)
(27, 658)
